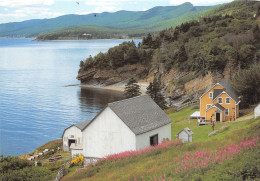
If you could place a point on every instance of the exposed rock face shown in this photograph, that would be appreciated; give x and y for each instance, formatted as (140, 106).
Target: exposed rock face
(110, 76)
(176, 93)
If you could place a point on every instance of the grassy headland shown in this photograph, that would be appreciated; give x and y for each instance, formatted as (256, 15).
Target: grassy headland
(162, 163)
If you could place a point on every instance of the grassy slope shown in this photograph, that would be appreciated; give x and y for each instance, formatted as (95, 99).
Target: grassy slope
(156, 163)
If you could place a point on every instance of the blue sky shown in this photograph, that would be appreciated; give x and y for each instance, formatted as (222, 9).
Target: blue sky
(20, 10)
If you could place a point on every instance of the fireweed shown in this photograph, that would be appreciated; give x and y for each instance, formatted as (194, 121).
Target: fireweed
(126, 154)
(205, 159)
(201, 159)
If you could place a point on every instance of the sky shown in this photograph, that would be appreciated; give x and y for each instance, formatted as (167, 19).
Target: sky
(20, 10)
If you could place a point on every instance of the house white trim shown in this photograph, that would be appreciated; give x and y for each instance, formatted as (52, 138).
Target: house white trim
(224, 92)
(208, 105)
(227, 111)
(226, 100)
(221, 100)
(209, 89)
(210, 94)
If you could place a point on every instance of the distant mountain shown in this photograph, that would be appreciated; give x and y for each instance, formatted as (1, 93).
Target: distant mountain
(156, 18)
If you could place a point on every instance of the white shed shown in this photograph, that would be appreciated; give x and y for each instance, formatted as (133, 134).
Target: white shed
(73, 136)
(185, 135)
(257, 111)
(130, 124)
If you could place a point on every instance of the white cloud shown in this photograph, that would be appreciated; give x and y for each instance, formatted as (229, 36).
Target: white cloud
(29, 12)
(22, 3)
(108, 2)
(198, 2)
(6, 9)
(106, 9)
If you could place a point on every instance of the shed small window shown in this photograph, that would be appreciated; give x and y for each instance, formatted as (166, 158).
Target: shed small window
(226, 112)
(210, 94)
(208, 106)
(220, 100)
(227, 100)
(154, 140)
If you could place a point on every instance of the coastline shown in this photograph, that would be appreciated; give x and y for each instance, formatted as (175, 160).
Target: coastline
(120, 87)
(127, 39)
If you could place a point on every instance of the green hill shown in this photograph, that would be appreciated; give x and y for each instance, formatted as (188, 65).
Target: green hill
(224, 42)
(121, 19)
(91, 32)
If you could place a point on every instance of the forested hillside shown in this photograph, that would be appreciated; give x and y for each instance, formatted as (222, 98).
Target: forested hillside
(91, 32)
(223, 43)
(153, 19)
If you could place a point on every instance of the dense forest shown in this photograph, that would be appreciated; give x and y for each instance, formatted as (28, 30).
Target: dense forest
(225, 40)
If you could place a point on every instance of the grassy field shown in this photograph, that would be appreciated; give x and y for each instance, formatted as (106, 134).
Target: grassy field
(160, 163)
(181, 120)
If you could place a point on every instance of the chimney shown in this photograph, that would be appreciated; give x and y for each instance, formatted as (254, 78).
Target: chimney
(224, 89)
(219, 79)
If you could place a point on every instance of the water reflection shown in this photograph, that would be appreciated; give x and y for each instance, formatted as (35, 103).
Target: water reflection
(97, 99)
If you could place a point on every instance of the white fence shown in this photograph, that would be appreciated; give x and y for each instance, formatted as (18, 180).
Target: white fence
(187, 104)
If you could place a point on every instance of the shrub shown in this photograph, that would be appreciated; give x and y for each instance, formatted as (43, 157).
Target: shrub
(78, 161)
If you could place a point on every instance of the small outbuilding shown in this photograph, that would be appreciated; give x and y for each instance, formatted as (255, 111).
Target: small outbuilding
(257, 111)
(185, 135)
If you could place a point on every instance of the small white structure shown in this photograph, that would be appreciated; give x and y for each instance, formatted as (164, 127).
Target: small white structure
(130, 124)
(185, 135)
(73, 135)
(195, 115)
(257, 111)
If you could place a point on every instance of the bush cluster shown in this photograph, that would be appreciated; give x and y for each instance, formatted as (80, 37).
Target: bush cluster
(78, 161)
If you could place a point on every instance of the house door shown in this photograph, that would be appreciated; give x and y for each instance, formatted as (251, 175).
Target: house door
(154, 140)
(70, 142)
(217, 116)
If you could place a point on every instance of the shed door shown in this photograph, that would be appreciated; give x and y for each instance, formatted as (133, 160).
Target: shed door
(154, 140)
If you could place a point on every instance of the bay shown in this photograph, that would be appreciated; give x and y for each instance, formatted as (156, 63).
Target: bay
(36, 104)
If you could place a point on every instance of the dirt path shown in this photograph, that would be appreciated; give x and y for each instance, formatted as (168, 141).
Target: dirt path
(244, 118)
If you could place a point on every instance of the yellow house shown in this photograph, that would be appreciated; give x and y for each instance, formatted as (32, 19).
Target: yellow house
(219, 102)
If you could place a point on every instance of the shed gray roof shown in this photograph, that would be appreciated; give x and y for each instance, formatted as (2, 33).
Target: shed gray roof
(187, 130)
(82, 125)
(141, 114)
(229, 90)
(219, 107)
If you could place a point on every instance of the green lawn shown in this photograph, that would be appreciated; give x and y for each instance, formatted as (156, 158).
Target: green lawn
(181, 120)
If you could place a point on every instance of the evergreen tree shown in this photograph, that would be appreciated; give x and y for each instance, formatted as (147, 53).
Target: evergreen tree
(132, 89)
(247, 83)
(154, 91)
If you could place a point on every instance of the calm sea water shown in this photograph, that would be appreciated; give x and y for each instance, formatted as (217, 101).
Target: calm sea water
(35, 104)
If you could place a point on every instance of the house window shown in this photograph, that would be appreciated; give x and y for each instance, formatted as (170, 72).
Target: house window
(227, 100)
(226, 112)
(208, 106)
(220, 100)
(154, 140)
(210, 94)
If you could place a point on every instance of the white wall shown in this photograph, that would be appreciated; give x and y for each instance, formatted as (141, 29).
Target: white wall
(183, 136)
(76, 132)
(75, 153)
(143, 140)
(257, 111)
(106, 135)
